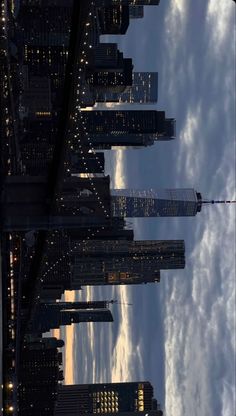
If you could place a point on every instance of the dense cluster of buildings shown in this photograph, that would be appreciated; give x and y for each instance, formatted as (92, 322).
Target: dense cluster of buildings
(87, 240)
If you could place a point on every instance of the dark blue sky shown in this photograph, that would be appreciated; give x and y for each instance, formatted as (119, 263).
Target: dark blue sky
(180, 333)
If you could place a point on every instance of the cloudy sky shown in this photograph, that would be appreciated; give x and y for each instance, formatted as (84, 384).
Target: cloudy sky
(179, 334)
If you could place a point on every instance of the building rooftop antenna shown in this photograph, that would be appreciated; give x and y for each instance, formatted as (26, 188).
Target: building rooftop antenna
(217, 202)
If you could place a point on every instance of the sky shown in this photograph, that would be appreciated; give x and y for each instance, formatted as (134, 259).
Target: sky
(178, 334)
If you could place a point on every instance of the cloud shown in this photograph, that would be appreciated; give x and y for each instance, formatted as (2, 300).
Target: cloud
(220, 16)
(175, 30)
(124, 350)
(190, 155)
(199, 344)
(119, 169)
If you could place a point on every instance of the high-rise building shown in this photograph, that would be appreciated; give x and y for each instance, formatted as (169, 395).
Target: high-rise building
(49, 316)
(128, 128)
(114, 20)
(94, 163)
(44, 37)
(144, 90)
(108, 70)
(136, 12)
(117, 399)
(155, 203)
(144, 2)
(124, 262)
(39, 374)
(129, 2)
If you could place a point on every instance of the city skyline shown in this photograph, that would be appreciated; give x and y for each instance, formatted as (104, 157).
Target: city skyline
(73, 217)
(191, 160)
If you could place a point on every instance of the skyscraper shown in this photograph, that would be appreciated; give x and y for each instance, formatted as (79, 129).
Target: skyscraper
(144, 90)
(44, 36)
(128, 128)
(49, 316)
(124, 262)
(128, 399)
(114, 20)
(39, 373)
(155, 203)
(108, 70)
(130, 2)
(136, 12)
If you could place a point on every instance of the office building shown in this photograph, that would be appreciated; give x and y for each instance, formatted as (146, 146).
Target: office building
(44, 33)
(49, 316)
(128, 399)
(124, 262)
(136, 12)
(128, 128)
(144, 90)
(94, 163)
(101, 3)
(114, 231)
(144, 2)
(108, 70)
(113, 20)
(155, 203)
(39, 374)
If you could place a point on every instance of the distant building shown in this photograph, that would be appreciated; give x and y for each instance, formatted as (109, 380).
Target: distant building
(144, 2)
(129, 2)
(39, 374)
(127, 399)
(155, 203)
(136, 12)
(144, 90)
(128, 128)
(124, 262)
(56, 273)
(44, 36)
(94, 163)
(52, 316)
(114, 20)
(108, 70)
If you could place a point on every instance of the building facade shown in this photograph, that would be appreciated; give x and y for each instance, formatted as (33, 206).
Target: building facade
(128, 128)
(49, 317)
(39, 374)
(107, 399)
(125, 262)
(155, 203)
(144, 90)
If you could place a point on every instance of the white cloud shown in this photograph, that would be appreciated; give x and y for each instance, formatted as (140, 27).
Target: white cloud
(191, 146)
(220, 15)
(175, 32)
(200, 327)
(123, 352)
(119, 169)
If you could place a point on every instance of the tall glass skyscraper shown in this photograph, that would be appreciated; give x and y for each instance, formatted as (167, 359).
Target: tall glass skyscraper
(155, 203)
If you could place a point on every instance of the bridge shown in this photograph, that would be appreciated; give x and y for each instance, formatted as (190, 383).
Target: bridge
(36, 203)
